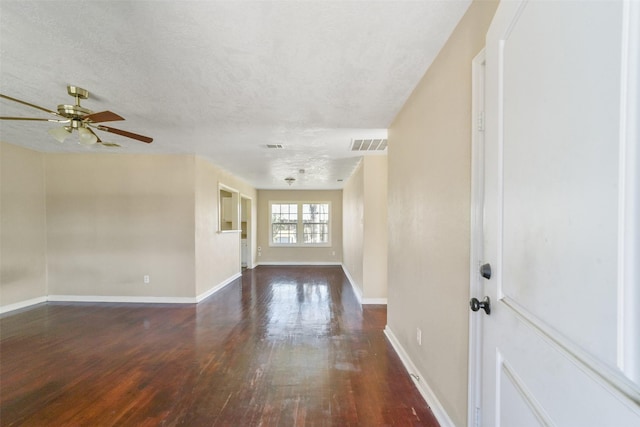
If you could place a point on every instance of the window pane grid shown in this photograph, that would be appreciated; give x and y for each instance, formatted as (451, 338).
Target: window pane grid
(284, 213)
(300, 223)
(284, 233)
(315, 218)
(284, 223)
(315, 212)
(316, 233)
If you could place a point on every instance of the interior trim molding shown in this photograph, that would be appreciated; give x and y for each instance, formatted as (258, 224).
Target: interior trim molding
(600, 371)
(217, 288)
(352, 282)
(629, 197)
(22, 304)
(374, 301)
(356, 290)
(299, 263)
(525, 394)
(419, 380)
(476, 248)
(120, 298)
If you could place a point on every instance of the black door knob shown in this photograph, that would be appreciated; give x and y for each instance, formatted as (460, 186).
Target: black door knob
(485, 271)
(484, 304)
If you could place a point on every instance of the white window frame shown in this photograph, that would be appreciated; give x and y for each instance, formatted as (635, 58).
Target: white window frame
(300, 224)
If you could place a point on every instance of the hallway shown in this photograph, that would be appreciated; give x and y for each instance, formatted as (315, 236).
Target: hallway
(282, 346)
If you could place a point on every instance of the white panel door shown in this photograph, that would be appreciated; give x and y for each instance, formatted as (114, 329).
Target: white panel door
(562, 217)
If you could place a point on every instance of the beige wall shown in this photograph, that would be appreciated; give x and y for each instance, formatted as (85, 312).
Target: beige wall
(296, 255)
(353, 228)
(429, 193)
(111, 219)
(217, 254)
(22, 226)
(92, 225)
(375, 243)
(365, 229)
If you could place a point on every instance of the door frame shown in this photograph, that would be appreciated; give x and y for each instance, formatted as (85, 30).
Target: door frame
(250, 233)
(476, 236)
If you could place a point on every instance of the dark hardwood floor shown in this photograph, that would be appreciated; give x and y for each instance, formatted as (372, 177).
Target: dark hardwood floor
(283, 346)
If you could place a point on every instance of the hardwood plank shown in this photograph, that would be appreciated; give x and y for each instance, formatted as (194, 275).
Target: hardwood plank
(281, 346)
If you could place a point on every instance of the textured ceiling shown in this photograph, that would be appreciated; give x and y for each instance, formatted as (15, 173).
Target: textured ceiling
(223, 79)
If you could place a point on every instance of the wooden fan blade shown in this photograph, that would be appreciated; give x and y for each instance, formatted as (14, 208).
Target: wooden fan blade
(102, 116)
(36, 119)
(55, 113)
(126, 133)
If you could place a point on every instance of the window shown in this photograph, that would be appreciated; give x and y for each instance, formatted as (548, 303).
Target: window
(284, 223)
(300, 224)
(315, 220)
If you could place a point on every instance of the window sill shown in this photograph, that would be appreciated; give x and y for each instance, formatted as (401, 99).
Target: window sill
(321, 245)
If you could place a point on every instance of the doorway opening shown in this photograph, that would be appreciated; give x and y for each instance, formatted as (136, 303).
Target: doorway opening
(246, 232)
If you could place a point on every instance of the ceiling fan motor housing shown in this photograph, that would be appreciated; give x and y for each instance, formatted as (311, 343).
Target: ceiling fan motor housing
(73, 111)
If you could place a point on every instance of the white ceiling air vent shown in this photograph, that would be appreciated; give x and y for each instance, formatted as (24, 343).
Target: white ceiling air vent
(369, 145)
(275, 146)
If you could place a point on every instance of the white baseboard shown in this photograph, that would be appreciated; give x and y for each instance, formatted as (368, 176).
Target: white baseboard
(427, 394)
(300, 263)
(376, 301)
(358, 292)
(120, 298)
(22, 304)
(356, 289)
(218, 287)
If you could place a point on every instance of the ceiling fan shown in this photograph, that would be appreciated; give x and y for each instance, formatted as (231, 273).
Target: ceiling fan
(76, 117)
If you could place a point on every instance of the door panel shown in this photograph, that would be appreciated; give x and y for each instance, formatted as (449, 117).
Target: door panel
(561, 169)
(557, 187)
(518, 406)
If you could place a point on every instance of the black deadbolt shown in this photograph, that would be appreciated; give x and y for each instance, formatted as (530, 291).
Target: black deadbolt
(485, 271)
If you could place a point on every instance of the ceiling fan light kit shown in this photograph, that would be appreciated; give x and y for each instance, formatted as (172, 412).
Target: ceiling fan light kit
(87, 137)
(79, 118)
(60, 134)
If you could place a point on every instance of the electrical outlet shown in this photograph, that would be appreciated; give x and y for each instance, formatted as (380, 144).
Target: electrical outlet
(146, 278)
(419, 336)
